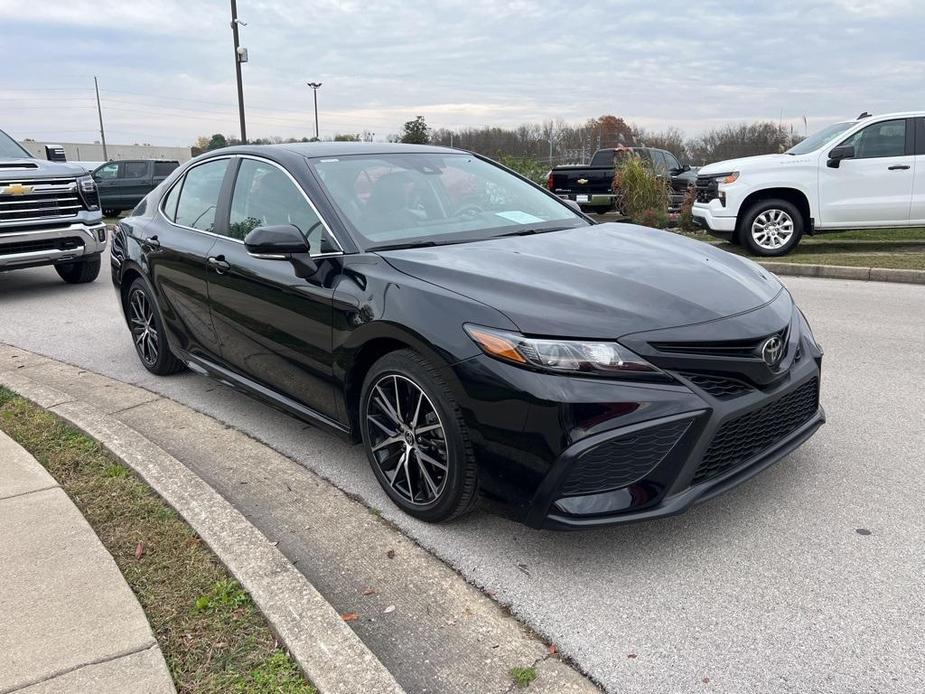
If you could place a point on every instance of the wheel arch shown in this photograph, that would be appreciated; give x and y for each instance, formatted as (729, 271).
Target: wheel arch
(794, 196)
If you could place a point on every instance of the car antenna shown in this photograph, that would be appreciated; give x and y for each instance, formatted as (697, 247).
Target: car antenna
(864, 115)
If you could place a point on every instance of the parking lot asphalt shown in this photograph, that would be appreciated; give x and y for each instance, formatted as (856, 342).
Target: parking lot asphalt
(809, 577)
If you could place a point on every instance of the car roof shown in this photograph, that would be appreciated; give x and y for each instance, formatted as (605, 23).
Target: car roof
(337, 149)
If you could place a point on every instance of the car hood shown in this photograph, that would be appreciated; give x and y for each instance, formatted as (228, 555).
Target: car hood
(37, 168)
(760, 162)
(601, 281)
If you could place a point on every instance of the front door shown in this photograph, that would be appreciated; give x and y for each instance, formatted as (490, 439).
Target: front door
(274, 327)
(875, 187)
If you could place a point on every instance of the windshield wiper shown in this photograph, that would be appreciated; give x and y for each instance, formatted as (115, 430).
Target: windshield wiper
(399, 246)
(531, 230)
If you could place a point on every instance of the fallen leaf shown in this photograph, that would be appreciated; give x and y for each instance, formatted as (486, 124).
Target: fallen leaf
(631, 655)
(274, 542)
(552, 649)
(390, 554)
(390, 608)
(350, 616)
(706, 680)
(370, 591)
(139, 550)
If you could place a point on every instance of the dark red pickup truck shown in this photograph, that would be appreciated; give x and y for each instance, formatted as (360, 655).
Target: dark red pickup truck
(591, 186)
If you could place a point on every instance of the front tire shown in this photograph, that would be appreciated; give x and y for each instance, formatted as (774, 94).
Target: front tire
(81, 272)
(771, 228)
(416, 440)
(147, 328)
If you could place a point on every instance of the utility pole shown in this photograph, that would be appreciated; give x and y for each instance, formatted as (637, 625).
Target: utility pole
(240, 56)
(315, 86)
(99, 111)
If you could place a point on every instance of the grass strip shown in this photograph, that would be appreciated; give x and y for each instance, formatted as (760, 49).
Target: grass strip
(213, 637)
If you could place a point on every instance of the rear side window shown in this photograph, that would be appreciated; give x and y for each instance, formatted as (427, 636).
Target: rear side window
(886, 139)
(170, 203)
(199, 195)
(162, 169)
(134, 169)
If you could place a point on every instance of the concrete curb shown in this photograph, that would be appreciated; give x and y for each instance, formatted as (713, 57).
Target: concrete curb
(842, 272)
(328, 651)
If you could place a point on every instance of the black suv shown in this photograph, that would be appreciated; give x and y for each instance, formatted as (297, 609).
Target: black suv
(473, 330)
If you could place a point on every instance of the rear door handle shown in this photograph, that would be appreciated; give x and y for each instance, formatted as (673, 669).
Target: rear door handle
(152, 241)
(899, 167)
(219, 264)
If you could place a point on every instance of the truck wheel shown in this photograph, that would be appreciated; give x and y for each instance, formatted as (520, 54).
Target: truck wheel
(771, 228)
(80, 272)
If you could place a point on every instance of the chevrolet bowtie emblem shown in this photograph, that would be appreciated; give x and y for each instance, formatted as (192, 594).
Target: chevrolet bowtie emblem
(17, 189)
(582, 181)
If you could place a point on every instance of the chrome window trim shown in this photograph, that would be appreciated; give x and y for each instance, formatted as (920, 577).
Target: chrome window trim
(324, 222)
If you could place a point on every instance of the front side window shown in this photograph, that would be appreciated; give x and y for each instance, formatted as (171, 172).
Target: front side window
(658, 162)
(107, 172)
(421, 198)
(265, 196)
(673, 163)
(199, 195)
(886, 139)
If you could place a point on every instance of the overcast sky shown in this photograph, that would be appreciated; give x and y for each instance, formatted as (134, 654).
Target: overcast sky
(166, 67)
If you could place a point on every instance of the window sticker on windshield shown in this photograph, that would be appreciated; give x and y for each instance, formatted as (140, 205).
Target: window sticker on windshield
(519, 217)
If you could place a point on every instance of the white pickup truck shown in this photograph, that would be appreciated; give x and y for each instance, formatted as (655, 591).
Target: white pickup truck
(862, 174)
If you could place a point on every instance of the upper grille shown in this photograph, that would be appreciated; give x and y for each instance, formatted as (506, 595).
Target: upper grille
(749, 348)
(740, 439)
(622, 461)
(49, 198)
(707, 188)
(718, 386)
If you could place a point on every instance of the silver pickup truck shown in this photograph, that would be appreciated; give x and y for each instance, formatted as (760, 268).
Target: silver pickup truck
(49, 215)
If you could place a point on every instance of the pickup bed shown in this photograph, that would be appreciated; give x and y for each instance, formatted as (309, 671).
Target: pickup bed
(49, 215)
(123, 184)
(591, 186)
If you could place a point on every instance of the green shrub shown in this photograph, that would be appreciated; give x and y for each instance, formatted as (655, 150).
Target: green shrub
(641, 195)
(535, 170)
(686, 216)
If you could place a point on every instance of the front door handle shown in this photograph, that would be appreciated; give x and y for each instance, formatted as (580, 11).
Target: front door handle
(899, 167)
(219, 264)
(152, 241)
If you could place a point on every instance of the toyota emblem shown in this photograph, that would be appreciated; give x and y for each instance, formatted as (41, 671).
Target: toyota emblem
(772, 350)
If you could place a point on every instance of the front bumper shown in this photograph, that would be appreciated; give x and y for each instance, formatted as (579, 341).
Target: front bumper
(29, 247)
(590, 199)
(714, 217)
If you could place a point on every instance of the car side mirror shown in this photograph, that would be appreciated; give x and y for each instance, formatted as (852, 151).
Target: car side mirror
(282, 242)
(839, 153)
(571, 203)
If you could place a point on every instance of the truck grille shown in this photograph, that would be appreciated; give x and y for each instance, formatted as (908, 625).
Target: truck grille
(707, 188)
(38, 199)
(742, 438)
(622, 461)
(65, 244)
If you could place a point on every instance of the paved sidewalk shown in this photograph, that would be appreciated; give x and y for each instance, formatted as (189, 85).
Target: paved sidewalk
(68, 620)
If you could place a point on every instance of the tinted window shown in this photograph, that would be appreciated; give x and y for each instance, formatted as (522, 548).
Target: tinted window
(134, 169)
(673, 163)
(603, 157)
(107, 172)
(415, 198)
(163, 168)
(264, 196)
(886, 139)
(199, 195)
(658, 161)
(170, 204)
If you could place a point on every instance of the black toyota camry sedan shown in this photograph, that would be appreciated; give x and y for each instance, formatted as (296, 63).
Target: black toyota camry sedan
(474, 332)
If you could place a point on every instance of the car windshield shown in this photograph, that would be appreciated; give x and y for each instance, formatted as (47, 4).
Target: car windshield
(818, 139)
(407, 199)
(10, 149)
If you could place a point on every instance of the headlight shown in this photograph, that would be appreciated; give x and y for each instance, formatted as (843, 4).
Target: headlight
(87, 184)
(808, 331)
(730, 177)
(563, 356)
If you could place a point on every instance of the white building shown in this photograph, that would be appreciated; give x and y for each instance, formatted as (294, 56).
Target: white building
(93, 152)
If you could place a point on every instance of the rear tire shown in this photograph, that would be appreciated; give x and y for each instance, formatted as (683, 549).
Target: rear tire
(416, 439)
(81, 272)
(771, 228)
(147, 329)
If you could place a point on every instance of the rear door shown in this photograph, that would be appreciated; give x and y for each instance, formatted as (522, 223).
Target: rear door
(875, 187)
(135, 180)
(274, 328)
(917, 213)
(177, 248)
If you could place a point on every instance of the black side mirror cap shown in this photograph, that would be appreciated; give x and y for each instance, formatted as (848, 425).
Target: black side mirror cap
(276, 240)
(282, 242)
(839, 153)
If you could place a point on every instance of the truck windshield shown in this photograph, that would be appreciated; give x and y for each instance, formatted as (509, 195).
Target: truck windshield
(408, 199)
(10, 149)
(819, 139)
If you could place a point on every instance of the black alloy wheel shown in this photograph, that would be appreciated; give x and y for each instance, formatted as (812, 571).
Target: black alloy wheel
(145, 324)
(415, 438)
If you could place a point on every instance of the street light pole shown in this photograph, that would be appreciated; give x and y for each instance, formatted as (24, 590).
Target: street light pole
(99, 111)
(240, 56)
(315, 86)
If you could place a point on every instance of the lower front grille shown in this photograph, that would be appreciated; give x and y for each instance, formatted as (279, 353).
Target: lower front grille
(66, 244)
(622, 461)
(718, 386)
(740, 439)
